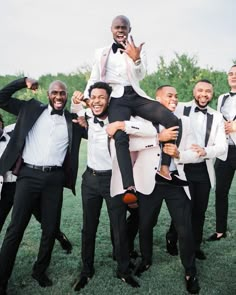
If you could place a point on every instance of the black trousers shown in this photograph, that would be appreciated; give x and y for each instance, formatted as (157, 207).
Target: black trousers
(179, 208)
(131, 104)
(33, 186)
(95, 188)
(6, 201)
(224, 176)
(199, 186)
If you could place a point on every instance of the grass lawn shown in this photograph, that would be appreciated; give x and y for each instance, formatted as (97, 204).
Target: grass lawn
(217, 274)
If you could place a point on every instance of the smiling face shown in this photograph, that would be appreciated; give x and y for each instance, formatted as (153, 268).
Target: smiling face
(232, 78)
(57, 95)
(120, 28)
(203, 93)
(168, 97)
(98, 102)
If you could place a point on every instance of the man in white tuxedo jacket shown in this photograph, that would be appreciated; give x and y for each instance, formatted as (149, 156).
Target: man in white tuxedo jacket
(208, 127)
(225, 166)
(151, 195)
(122, 65)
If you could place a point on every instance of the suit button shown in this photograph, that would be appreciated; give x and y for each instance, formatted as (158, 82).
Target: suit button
(158, 155)
(155, 168)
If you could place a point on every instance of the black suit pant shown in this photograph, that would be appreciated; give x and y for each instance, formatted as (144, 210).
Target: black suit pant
(33, 187)
(224, 176)
(179, 208)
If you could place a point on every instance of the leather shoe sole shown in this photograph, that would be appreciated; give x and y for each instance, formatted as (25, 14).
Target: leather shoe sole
(128, 279)
(214, 237)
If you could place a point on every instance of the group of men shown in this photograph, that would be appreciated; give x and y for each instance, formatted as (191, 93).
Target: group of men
(127, 133)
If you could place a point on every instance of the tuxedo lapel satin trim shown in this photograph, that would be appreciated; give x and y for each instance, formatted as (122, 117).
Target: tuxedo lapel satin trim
(208, 127)
(104, 60)
(180, 131)
(187, 111)
(69, 127)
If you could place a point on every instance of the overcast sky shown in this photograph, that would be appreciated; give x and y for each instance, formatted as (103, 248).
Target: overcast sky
(51, 36)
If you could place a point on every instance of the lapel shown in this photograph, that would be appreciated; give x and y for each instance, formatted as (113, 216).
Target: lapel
(104, 59)
(180, 133)
(223, 102)
(187, 111)
(69, 127)
(208, 127)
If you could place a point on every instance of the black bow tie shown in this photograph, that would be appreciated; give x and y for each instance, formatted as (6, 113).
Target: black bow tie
(57, 112)
(197, 109)
(232, 93)
(101, 123)
(3, 138)
(116, 46)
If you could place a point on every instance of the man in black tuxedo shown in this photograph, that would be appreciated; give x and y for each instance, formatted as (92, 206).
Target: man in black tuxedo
(44, 150)
(8, 186)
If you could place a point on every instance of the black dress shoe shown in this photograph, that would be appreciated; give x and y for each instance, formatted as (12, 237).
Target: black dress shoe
(42, 279)
(171, 247)
(143, 266)
(83, 281)
(192, 285)
(199, 254)
(128, 279)
(65, 243)
(3, 290)
(174, 181)
(214, 237)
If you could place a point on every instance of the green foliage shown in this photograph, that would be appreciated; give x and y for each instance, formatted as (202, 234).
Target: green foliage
(182, 72)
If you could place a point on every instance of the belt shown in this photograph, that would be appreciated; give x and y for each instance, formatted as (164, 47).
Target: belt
(43, 168)
(99, 172)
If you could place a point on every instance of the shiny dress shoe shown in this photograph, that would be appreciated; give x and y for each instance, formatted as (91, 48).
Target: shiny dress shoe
(199, 254)
(128, 279)
(192, 285)
(65, 243)
(214, 237)
(83, 281)
(143, 266)
(42, 279)
(171, 247)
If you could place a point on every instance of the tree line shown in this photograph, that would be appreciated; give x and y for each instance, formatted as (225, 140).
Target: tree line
(182, 72)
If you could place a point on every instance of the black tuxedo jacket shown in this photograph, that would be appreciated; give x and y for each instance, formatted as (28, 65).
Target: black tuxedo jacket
(27, 113)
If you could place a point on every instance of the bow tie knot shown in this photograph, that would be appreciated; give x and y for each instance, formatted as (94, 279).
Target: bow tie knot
(116, 46)
(101, 123)
(232, 93)
(57, 112)
(197, 109)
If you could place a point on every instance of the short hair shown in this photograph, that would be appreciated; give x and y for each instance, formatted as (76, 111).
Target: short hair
(162, 86)
(125, 18)
(100, 85)
(205, 81)
(57, 82)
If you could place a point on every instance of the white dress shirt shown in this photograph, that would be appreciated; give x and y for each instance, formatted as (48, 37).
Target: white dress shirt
(49, 133)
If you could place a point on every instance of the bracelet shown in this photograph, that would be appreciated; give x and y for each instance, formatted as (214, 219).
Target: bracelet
(137, 62)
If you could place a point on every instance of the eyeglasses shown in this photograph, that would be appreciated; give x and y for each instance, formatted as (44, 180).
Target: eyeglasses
(61, 93)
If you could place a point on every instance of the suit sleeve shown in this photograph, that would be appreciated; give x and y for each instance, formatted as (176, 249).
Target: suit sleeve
(7, 102)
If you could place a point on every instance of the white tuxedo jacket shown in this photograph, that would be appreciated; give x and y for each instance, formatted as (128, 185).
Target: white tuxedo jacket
(135, 73)
(146, 161)
(221, 100)
(215, 139)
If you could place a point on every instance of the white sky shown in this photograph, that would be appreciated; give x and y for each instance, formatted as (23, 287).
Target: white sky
(51, 36)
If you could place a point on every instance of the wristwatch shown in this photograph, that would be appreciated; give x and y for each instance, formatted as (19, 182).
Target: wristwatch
(137, 62)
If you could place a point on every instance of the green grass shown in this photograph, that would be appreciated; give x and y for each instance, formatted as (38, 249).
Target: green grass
(217, 275)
